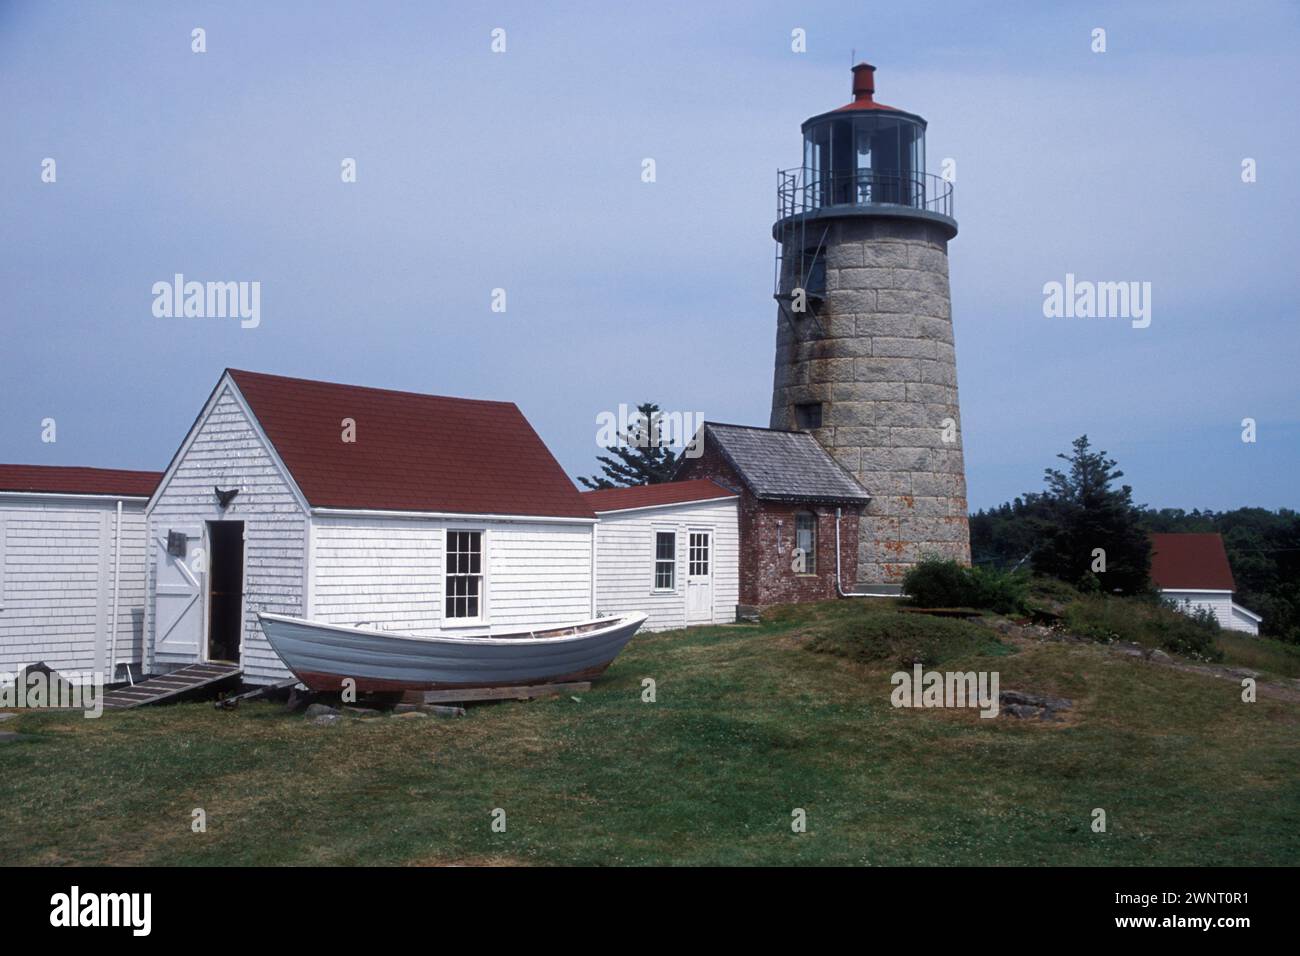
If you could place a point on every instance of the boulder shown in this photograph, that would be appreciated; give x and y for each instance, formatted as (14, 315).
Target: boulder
(1017, 703)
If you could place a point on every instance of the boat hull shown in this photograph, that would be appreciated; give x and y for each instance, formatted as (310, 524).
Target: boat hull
(324, 656)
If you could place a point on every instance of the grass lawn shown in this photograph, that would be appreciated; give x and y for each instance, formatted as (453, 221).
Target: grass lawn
(1268, 656)
(750, 723)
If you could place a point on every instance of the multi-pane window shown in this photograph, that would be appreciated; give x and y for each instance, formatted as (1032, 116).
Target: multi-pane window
(464, 574)
(698, 558)
(805, 539)
(665, 560)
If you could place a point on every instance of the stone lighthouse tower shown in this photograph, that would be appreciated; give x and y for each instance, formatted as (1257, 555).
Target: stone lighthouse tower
(864, 343)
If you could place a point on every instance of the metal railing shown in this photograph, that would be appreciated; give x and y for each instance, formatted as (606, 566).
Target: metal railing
(803, 190)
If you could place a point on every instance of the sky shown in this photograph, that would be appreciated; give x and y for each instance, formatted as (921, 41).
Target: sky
(522, 170)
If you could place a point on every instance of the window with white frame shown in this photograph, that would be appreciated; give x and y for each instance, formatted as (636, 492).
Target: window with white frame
(665, 560)
(464, 575)
(805, 539)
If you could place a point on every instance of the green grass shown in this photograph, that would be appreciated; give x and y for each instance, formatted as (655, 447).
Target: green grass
(750, 723)
(1264, 654)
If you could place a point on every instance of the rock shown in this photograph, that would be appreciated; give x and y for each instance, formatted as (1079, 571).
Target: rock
(354, 711)
(1159, 655)
(325, 720)
(7, 716)
(320, 710)
(298, 699)
(1021, 710)
(409, 713)
(1017, 703)
(55, 686)
(406, 708)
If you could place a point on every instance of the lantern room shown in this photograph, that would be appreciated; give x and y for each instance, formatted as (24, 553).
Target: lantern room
(864, 154)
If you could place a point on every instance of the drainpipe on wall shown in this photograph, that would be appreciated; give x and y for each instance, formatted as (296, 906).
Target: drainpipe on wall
(117, 586)
(839, 586)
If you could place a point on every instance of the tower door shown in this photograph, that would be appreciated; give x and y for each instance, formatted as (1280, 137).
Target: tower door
(225, 590)
(699, 578)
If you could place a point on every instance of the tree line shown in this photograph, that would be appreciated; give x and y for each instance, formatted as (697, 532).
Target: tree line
(1059, 531)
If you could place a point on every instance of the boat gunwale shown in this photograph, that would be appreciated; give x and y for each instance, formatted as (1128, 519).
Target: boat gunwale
(616, 623)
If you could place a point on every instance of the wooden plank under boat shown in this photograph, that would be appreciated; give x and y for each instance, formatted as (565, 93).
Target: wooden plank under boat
(323, 656)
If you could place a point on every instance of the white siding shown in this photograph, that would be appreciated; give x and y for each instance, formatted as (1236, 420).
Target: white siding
(1220, 602)
(228, 451)
(1242, 621)
(56, 582)
(625, 561)
(388, 571)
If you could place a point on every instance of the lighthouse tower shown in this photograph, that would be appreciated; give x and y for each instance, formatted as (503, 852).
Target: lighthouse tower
(864, 344)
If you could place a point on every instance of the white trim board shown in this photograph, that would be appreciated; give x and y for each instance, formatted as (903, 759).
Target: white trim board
(670, 504)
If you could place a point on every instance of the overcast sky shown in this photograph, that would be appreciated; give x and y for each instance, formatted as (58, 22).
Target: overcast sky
(522, 170)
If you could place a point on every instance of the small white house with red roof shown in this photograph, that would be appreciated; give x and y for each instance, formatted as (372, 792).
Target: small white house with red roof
(670, 550)
(72, 556)
(1192, 570)
(353, 505)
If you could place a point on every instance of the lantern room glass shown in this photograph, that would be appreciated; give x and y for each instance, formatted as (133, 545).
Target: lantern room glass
(865, 160)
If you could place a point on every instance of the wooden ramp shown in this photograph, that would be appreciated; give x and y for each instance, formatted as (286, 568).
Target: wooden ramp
(169, 685)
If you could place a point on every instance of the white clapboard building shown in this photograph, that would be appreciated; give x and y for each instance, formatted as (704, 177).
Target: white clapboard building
(670, 550)
(354, 505)
(1192, 570)
(72, 558)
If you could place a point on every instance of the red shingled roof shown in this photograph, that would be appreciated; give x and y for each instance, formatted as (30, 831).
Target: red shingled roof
(1194, 561)
(645, 496)
(58, 479)
(412, 452)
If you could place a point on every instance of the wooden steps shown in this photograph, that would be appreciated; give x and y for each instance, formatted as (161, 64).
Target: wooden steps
(171, 684)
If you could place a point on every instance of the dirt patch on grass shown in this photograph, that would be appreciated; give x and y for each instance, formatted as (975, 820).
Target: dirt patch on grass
(472, 861)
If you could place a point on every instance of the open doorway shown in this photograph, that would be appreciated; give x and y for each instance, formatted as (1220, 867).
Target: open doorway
(225, 589)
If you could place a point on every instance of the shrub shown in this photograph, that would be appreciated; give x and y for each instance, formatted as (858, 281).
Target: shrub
(1149, 623)
(935, 583)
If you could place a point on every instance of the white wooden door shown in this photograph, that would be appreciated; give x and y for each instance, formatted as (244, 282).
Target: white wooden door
(699, 577)
(178, 598)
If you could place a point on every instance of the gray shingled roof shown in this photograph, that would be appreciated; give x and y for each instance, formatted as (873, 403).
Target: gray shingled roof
(784, 466)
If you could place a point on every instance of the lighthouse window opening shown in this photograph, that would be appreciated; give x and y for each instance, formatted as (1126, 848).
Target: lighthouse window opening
(808, 415)
(813, 271)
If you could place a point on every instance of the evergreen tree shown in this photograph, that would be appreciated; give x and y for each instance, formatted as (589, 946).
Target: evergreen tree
(642, 458)
(1080, 512)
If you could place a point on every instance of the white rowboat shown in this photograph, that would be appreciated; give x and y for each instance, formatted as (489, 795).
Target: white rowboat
(323, 656)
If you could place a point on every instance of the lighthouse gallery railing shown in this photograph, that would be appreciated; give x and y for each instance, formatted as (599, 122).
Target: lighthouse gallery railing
(802, 190)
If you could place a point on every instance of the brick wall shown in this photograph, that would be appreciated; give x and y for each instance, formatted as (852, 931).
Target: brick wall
(767, 532)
